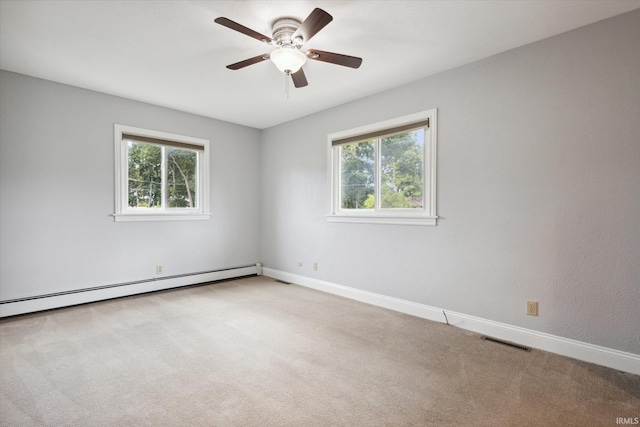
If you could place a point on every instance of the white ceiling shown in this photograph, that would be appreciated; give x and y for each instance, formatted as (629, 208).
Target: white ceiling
(171, 53)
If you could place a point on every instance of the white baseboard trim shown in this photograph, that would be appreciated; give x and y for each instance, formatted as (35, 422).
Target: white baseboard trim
(48, 302)
(616, 359)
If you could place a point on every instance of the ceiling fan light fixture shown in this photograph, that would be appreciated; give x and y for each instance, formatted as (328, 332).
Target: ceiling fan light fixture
(289, 34)
(288, 59)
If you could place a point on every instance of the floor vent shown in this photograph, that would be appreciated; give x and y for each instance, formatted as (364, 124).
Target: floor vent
(507, 343)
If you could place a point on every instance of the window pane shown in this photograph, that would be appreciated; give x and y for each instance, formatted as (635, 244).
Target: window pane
(182, 169)
(358, 177)
(402, 182)
(145, 175)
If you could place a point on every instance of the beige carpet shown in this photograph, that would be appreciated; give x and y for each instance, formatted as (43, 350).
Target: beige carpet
(256, 352)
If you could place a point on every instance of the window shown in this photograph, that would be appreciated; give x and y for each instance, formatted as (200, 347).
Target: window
(160, 176)
(385, 172)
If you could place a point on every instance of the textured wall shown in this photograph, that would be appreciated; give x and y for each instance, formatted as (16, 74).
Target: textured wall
(538, 191)
(57, 192)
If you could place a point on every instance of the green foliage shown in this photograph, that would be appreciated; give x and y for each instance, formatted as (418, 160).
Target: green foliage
(370, 202)
(145, 176)
(402, 166)
(181, 178)
(358, 176)
(402, 171)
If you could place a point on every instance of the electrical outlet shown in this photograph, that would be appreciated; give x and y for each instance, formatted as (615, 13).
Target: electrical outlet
(532, 308)
(158, 269)
(315, 266)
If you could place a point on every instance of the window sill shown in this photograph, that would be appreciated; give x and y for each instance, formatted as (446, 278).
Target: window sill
(128, 217)
(380, 219)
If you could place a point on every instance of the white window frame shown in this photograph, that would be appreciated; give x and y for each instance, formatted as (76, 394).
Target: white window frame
(415, 216)
(125, 213)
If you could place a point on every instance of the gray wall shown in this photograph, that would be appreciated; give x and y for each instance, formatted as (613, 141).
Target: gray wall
(57, 192)
(538, 191)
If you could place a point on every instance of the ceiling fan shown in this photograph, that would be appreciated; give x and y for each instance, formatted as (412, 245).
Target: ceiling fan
(288, 36)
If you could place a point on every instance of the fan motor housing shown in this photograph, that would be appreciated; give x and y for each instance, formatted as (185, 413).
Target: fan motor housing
(283, 29)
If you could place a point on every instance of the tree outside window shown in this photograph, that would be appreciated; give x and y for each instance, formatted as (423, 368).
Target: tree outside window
(385, 172)
(401, 172)
(154, 170)
(160, 176)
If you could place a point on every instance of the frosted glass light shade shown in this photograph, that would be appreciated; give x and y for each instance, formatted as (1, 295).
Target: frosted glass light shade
(288, 59)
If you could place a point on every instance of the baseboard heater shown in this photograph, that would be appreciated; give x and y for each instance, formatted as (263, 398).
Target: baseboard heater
(98, 293)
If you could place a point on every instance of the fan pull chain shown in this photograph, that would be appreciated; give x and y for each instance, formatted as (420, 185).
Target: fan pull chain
(286, 85)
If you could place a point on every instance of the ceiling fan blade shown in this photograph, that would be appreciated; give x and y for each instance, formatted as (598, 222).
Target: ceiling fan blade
(299, 79)
(334, 58)
(317, 20)
(242, 29)
(248, 62)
